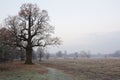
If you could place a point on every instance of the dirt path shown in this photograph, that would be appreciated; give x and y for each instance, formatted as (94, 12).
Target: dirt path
(19, 71)
(54, 74)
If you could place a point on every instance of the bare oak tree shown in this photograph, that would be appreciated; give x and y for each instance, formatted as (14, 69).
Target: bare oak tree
(31, 28)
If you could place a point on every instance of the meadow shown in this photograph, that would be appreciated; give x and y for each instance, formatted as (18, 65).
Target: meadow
(88, 69)
(20, 71)
(62, 69)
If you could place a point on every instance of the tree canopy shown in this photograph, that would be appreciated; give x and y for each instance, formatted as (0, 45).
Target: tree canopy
(31, 28)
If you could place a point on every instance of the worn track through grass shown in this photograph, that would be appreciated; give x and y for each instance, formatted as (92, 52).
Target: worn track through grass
(20, 71)
(88, 69)
(54, 74)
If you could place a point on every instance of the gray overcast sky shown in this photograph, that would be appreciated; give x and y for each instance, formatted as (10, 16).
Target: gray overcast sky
(82, 24)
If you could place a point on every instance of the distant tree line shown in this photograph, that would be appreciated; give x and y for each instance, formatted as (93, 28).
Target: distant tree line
(84, 54)
(75, 55)
(115, 54)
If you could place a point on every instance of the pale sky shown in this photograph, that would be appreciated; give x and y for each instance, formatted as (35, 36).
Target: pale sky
(92, 25)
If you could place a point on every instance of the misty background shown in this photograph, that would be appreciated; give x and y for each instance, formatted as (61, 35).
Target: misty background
(90, 25)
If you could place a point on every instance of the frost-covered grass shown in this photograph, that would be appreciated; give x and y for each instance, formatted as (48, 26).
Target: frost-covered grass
(54, 74)
(81, 69)
(19, 71)
(88, 69)
(22, 75)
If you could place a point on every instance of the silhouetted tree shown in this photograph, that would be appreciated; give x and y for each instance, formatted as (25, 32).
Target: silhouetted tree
(115, 54)
(47, 55)
(31, 28)
(22, 54)
(65, 54)
(85, 54)
(59, 54)
(6, 49)
(41, 53)
(76, 55)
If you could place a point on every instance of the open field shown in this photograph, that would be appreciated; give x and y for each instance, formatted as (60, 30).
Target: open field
(88, 69)
(20, 71)
(62, 69)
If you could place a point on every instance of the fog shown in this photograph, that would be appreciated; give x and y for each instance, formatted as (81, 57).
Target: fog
(95, 42)
(92, 25)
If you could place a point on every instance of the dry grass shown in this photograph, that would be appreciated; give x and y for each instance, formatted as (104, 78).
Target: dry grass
(82, 69)
(21, 71)
(89, 69)
(20, 66)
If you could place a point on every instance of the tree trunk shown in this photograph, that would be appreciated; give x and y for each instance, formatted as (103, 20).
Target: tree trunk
(22, 56)
(40, 58)
(28, 56)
